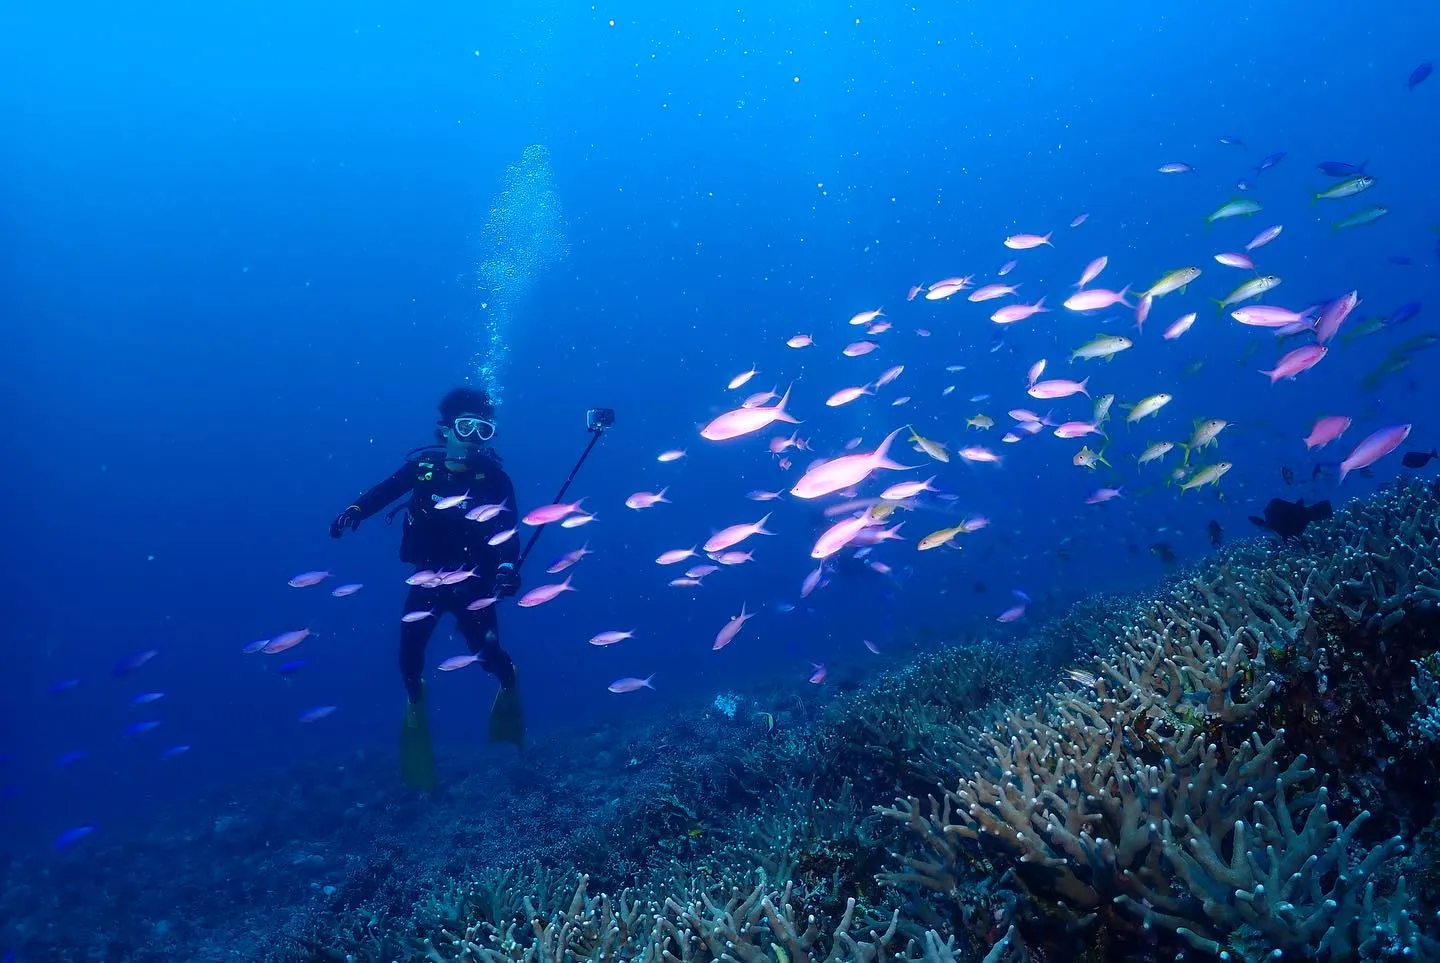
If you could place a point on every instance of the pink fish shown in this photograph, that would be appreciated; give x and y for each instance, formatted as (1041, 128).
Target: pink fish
(575, 521)
(416, 616)
(484, 603)
(735, 534)
(631, 684)
(544, 593)
(914, 290)
(890, 375)
(306, 579)
(675, 555)
(1373, 448)
(1036, 370)
(1326, 430)
(1026, 242)
(569, 559)
(956, 282)
(779, 444)
(457, 576)
(847, 470)
(483, 513)
(1058, 388)
(344, 590)
(734, 558)
(903, 490)
(1092, 271)
(939, 292)
(286, 640)
(610, 638)
(846, 395)
(1031, 427)
(1301, 359)
(674, 454)
(811, 581)
(1095, 299)
(421, 577)
(458, 662)
(1142, 310)
(1266, 316)
(1007, 267)
(1010, 615)
(686, 582)
(1019, 312)
(1101, 495)
(1010, 437)
(729, 630)
(839, 535)
(763, 496)
(992, 291)
(499, 538)
(858, 348)
(1180, 326)
(1265, 237)
(1230, 259)
(741, 378)
(451, 501)
(978, 454)
(700, 571)
(641, 500)
(800, 341)
(758, 399)
(818, 676)
(865, 317)
(1079, 219)
(1333, 315)
(743, 421)
(546, 514)
(903, 399)
(1077, 429)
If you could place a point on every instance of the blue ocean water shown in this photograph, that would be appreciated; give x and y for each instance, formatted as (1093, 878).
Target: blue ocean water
(242, 257)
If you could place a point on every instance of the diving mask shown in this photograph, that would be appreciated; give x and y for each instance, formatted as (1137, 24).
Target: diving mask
(470, 428)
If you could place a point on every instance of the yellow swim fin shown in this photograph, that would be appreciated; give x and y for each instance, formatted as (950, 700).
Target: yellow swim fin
(417, 752)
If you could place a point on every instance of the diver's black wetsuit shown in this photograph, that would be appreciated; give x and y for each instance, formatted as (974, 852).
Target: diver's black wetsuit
(444, 539)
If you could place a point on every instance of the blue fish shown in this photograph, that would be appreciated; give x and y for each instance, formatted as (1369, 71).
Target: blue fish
(174, 751)
(293, 666)
(1270, 161)
(1418, 75)
(64, 685)
(1404, 313)
(140, 728)
(145, 698)
(72, 836)
(131, 663)
(1340, 168)
(70, 758)
(1231, 141)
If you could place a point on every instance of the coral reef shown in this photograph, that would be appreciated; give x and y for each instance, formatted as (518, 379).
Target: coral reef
(1240, 766)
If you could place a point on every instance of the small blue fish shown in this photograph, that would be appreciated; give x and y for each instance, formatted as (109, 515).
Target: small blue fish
(317, 713)
(145, 698)
(140, 728)
(292, 667)
(131, 663)
(1341, 169)
(785, 606)
(64, 685)
(174, 751)
(1405, 312)
(1270, 160)
(70, 758)
(1231, 141)
(1418, 75)
(72, 836)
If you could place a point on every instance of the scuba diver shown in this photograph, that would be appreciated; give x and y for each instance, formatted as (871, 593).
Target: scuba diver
(458, 569)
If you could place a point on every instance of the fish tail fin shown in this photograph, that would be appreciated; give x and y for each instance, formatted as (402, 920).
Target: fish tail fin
(1186, 462)
(1123, 291)
(1219, 307)
(881, 456)
(760, 528)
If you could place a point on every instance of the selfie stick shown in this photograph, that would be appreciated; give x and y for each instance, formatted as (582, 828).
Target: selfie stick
(596, 421)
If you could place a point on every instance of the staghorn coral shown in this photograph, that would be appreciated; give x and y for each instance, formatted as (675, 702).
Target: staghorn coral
(1159, 792)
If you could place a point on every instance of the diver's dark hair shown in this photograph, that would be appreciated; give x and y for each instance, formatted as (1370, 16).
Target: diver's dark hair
(465, 401)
